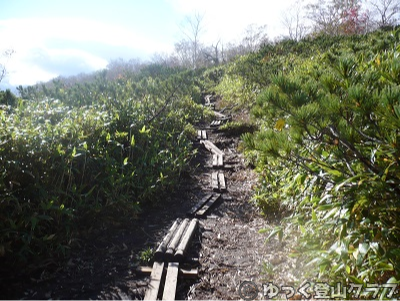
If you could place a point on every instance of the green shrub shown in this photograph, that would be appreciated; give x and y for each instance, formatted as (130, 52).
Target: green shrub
(97, 153)
(327, 152)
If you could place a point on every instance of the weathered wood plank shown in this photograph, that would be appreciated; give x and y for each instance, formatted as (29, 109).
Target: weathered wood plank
(171, 281)
(211, 147)
(185, 241)
(198, 134)
(220, 160)
(185, 273)
(217, 123)
(214, 180)
(221, 181)
(204, 134)
(169, 254)
(159, 254)
(215, 160)
(214, 123)
(211, 202)
(219, 115)
(199, 204)
(155, 281)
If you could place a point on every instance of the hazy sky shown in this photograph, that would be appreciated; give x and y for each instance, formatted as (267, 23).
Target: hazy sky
(54, 37)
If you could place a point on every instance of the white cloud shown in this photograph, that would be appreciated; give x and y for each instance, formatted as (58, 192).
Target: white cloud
(22, 32)
(42, 64)
(43, 47)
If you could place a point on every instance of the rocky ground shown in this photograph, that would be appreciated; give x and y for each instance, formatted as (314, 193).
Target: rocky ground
(228, 245)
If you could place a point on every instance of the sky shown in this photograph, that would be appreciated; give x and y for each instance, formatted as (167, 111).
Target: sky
(52, 38)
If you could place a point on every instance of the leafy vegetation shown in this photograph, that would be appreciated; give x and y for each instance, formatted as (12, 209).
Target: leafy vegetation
(146, 256)
(327, 151)
(98, 150)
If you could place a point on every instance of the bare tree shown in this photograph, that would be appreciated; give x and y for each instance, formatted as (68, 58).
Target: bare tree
(293, 20)
(254, 37)
(191, 45)
(184, 52)
(167, 59)
(231, 51)
(119, 68)
(388, 11)
(3, 71)
(325, 16)
(334, 17)
(213, 54)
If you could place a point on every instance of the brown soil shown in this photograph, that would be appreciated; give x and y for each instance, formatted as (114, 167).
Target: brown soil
(229, 246)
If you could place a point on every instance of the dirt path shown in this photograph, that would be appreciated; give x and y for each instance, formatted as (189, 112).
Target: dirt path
(228, 245)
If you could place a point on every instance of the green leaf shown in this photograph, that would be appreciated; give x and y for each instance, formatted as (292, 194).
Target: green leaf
(397, 110)
(363, 249)
(34, 222)
(333, 172)
(280, 124)
(277, 231)
(314, 216)
(133, 140)
(355, 279)
(349, 180)
(49, 237)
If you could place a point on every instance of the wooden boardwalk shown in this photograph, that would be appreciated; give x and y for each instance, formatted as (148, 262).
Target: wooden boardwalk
(172, 250)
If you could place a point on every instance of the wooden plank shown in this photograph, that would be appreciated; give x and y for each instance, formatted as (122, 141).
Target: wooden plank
(216, 123)
(214, 181)
(199, 204)
(215, 160)
(159, 254)
(155, 281)
(198, 134)
(204, 134)
(229, 166)
(220, 159)
(211, 202)
(211, 147)
(185, 241)
(221, 181)
(171, 281)
(169, 254)
(219, 115)
(185, 273)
